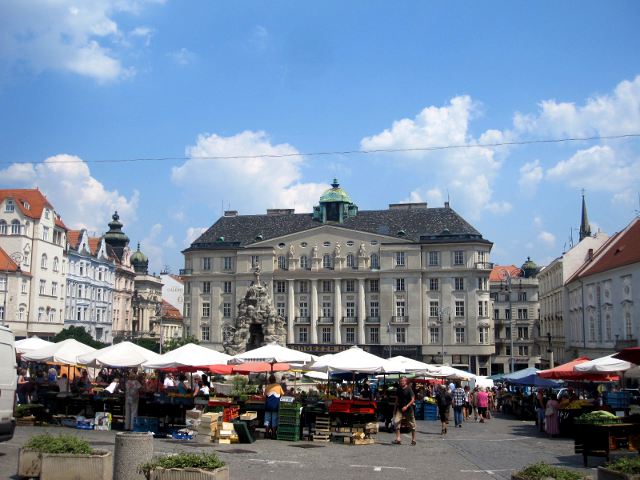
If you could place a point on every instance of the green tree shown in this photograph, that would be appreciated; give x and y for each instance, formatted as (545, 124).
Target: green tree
(148, 343)
(79, 334)
(173, 343)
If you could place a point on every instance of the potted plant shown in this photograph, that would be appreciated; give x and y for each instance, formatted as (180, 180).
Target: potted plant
(625, 468)
(542, 471)
(186, 466)
(61, 457)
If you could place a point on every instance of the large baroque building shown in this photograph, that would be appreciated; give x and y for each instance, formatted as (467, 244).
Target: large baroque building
(147, 298)
(90, 285)
(409, 280)
(33, 235)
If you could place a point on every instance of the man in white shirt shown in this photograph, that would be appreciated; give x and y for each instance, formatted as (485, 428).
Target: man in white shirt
(168, 381)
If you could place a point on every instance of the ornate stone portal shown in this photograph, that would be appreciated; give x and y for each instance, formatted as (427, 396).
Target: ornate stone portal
(257, 323)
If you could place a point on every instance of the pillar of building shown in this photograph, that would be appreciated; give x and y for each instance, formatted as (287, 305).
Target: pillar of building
(314, 311)
(291, 311)
(337, 311)
(362, 312)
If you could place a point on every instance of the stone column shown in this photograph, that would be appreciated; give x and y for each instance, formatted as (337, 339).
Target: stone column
(337, 311)
(314, 311)
(291, 312)
(362, 312)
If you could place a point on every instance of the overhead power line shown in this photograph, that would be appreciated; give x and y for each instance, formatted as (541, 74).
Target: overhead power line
(347, 152)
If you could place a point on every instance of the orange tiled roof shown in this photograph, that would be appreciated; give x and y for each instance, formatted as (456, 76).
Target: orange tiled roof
(6, 263)
(94, 243)
(169, 311)
(73, 238)
(496, 273)
(32, 197)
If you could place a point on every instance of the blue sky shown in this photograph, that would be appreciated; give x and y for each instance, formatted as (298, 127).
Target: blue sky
(84, 82)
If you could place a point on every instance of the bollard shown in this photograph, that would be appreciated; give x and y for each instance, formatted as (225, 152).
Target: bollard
(132, 450)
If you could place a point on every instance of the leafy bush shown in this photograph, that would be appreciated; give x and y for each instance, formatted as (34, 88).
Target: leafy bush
(59, 444)
(28, 409)
(205, 461)
(628, 465)
(538, 471)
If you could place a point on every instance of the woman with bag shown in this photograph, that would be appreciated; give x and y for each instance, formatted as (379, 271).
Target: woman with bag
(272, 392)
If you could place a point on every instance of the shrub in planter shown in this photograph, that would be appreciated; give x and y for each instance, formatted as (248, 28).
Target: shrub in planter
(541, 471)
(625, 468)
(186, 466)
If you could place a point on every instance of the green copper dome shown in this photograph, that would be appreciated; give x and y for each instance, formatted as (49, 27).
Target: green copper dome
(530, 268)
(139, 257)
(335, 194)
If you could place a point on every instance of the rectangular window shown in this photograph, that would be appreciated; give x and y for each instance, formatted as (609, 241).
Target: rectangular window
(399, 284)
(458, 257)
(523, 314)
(434, 284)
(206, 287)
(23, 287)
(523, 333)
(1, 312)
(507, 314)
(227, 263)
(326, 309)
(350, 336)
(400, 259)
(304, 309)
(206, 264)
(507, 332)
(45, 234)
(303, 335)
(483, 283)
(43, 287)
(483, 335)
(303, 286)
(227, 287)
(326, 286)
(350, 286)
(522, 296)
(479, 308)
(434, 335)
(458, 283)
(187, 309)
(459, 308)
(374, 335)
(281, 287)
(206, 309)
(374, 311)
(226, 310)
(326, 334)
(9, 207)
(434, 306)
(434, 259)
(204, 333)
(523, 350)
(255, 261)
(280, 309)
(54, 289)
(460, 335)
(400, 308)
(401, 335)
(374, 285)
(187, 288)
(326, 261)
(351, 310)
(3, 284)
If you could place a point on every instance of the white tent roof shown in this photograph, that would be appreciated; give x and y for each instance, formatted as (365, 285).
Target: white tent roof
(603, 365)
(355, 360)
(30, 344)
(66, 352)
(409, 364)
(120, 355)
(189, 355)
(273, 353)
(449, 372)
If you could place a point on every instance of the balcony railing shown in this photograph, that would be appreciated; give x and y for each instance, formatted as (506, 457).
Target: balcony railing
(186, 271)
(325, 320)
(484, 266)
(372, 320)
(350, 320)
(303, 320)
(400, 319)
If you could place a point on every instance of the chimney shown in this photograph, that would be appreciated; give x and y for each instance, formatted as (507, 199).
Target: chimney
(230, 213)
(446, 204)
(280, 211)
(590, 254)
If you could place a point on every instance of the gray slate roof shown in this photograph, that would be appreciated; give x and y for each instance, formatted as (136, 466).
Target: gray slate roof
(422, 225)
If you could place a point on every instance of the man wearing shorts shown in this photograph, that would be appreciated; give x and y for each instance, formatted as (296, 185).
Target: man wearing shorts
(405, 400)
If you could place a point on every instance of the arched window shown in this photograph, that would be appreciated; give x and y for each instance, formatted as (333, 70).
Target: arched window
(15, 227)
(326, 261)
(21, 313)
(52, 315)
(375, 261)
(55, 264)
(351, 262)
(282, 262)
(304, 262)
(43, 261)
(3, 227)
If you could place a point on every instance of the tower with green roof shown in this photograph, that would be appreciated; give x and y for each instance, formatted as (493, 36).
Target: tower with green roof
(335, 205)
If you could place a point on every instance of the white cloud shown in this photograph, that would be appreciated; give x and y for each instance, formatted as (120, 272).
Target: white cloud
(548, 238)
(249, 184)
(530, 176)
(144, 33)
(182, 57)
(193, 233)
(77, 37)
(81, 200)
(152, 247)
(537, 221)
(177, 215)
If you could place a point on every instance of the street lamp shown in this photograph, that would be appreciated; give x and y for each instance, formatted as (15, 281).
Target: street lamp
(507, 276)
(550, 351)
(442, 311)
(389, 332)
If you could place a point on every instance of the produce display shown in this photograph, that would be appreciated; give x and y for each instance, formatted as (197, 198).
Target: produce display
(599, 417)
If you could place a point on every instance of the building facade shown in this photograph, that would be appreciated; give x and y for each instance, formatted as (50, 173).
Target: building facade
(90, 285)
(14, 288)
(173, 290)
(34, 236)
(147, 299)
(516, 311)
(409, 280)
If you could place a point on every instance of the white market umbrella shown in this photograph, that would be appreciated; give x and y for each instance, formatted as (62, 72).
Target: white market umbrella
(410, 365)
(273, 353)
(355, 360)
(189, 355)
(120, 355)
(317, 375)
(30, 344)
(606, 364)
(445, 371)
(65, 352)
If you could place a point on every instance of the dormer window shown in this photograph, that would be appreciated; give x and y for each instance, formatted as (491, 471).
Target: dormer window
(46, 213)
(10, 207)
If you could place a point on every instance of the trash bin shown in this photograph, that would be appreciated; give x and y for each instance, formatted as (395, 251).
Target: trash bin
(132, 449)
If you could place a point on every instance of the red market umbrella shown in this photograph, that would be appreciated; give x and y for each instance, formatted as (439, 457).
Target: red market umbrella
(260, 367)
(566, 372)
(219, 369)
(631, 354)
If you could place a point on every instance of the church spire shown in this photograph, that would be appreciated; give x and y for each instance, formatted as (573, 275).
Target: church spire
(585, 228)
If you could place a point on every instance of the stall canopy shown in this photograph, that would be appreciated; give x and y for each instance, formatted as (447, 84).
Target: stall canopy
(444, 371)
(260, 367)
(30, 344)
(606, 364)
(409, 364)
(120, 355)
(355, 360)
(273, 353)
(631, 354)
(65, 352)
(189, 355)
(529, 377)
(566, 372)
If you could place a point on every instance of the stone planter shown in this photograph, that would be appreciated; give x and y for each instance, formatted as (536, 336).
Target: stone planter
(29, 463)
(221, 473)
(608, 474)
(62, 466)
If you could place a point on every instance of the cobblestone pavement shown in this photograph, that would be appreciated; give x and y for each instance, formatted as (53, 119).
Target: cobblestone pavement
(490, 450)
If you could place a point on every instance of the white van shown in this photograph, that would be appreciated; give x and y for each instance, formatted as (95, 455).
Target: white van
(8, 380)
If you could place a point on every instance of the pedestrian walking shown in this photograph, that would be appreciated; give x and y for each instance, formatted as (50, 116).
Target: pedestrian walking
(482, 404)
(443, 400)
(131, 398)
(405, 401)
(458, 405)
